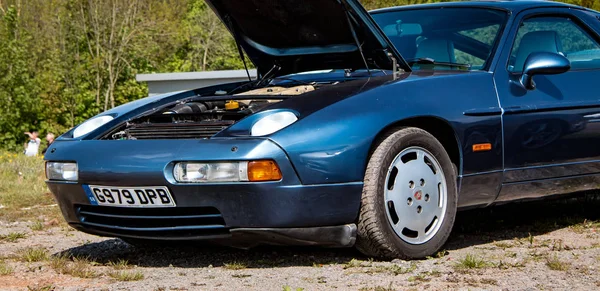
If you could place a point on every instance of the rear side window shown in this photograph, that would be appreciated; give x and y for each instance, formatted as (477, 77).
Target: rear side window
(558, 35)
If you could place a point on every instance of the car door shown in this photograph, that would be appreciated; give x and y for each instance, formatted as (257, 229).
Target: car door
(551, 133)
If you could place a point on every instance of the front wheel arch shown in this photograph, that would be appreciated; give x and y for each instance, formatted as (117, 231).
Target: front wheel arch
(439, 128)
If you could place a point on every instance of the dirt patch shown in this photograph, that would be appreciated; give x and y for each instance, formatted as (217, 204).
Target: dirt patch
(540, 245)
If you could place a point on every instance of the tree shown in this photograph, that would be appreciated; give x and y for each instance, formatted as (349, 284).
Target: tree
(205, 43)
(19, 98)
(110, 27)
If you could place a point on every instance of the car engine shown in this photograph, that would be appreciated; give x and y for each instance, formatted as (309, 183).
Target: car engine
(199, 119)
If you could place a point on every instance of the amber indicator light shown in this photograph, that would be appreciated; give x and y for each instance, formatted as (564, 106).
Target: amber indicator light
(482, 147)
(261, 171)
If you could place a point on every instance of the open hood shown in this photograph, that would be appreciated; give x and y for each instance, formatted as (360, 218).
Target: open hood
(306, 35)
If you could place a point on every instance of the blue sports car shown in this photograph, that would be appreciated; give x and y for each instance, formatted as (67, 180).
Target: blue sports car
(366, 129)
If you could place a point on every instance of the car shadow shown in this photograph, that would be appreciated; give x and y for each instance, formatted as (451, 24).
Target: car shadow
(473, 227)
(523, 219)
(204, 255)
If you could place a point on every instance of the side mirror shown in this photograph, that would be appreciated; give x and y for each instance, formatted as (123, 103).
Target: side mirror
(542, 63)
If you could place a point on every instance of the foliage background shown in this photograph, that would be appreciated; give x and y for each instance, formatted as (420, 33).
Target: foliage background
(63, 61)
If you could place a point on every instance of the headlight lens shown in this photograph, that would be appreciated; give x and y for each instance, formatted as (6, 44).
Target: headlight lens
(273, 123)
(215, 172)
(91, 125)
(209, 172)
(62, 171)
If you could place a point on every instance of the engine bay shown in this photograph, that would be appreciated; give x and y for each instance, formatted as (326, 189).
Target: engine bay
(204, 117)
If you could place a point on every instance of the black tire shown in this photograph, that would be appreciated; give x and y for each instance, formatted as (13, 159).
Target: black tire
(375, 235)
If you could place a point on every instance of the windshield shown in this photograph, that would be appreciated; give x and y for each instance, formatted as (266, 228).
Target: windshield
(434, 38)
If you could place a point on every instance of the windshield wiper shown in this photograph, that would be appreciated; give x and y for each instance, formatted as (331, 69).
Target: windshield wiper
(430, 61)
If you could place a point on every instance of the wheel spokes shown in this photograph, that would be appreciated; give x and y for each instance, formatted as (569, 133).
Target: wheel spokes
(415, 195)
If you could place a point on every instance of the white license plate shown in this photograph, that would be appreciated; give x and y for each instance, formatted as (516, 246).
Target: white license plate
(158, 196)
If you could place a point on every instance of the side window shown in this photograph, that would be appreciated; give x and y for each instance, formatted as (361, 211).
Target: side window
(558, 35)
(467, 54)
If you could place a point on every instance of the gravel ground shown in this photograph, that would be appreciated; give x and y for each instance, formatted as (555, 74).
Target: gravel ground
(527, 246)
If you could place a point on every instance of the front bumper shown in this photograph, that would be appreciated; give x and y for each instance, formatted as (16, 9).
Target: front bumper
(278, 212)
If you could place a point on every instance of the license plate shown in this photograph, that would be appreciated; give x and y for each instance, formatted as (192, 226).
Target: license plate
(158, 196)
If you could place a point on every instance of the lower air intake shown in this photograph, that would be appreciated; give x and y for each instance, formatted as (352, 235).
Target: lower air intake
(179, 222)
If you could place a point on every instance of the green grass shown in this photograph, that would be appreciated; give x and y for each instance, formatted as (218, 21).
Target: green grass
(22, 186)
(241, 275)
(5, 269)
(235, 266)
(126, 276)
(557, 245)
(471, 261)
(419, 278)
(530, 239)
(119, 264)
(59, 263)
(502, 265)
(585, 226)
(489, 281)
(37, 226)
(424, 276)
(392, 269)
(378, 288)
(438, 255)
(12, 237)
(77, 267)
(354, 263)
(33, 255)
(441, 254)
(554, 263)
(41, 288)
(537, 255)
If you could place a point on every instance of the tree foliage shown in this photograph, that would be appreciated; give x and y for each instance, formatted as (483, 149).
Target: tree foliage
(63, 61)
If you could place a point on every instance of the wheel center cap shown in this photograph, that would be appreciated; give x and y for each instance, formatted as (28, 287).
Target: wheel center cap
(418, 195)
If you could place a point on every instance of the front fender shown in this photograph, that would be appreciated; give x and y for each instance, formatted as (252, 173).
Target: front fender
(332, 144)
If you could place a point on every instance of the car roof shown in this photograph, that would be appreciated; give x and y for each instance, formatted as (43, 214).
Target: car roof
(511, 5)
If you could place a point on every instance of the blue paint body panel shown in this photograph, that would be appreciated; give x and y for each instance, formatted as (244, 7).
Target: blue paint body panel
(323, 155)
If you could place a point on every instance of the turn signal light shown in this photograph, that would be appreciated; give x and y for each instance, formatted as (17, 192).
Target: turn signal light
(482, 147)
(261, 171)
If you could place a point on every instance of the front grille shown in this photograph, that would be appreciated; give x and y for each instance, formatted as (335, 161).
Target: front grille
(186, 130)
(154, 222)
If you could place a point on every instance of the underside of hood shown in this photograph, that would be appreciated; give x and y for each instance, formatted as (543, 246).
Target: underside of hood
(305, 35)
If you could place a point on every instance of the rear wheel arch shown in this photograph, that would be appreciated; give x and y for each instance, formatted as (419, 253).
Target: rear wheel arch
(436, 126)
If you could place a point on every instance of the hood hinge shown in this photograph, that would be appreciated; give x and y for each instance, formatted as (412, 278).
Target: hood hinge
(396, 69)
